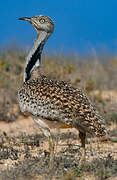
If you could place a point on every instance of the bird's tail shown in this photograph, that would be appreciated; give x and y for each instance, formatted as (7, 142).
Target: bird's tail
(101, 131)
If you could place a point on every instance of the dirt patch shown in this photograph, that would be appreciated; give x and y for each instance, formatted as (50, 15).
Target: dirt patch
(24, 154)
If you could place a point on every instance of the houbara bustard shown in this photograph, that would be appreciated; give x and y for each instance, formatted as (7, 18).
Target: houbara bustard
(52, 103)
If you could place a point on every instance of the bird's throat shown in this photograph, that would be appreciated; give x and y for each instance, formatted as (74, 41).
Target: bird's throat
(34, 57)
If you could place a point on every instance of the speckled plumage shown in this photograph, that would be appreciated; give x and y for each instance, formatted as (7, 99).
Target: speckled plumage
(52, 103)
(59, 101)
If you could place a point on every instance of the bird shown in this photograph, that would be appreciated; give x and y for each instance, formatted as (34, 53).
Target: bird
(53, 103)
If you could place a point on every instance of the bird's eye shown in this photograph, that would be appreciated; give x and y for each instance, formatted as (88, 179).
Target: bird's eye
(42, 21)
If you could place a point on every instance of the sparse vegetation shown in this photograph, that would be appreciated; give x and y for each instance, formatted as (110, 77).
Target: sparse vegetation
(27, 158)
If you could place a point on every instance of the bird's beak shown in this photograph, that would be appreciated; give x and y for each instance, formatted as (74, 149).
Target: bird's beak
(25, 19)
(31, 21)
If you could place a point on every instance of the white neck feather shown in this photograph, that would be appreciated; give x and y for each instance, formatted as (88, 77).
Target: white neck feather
(34, 57)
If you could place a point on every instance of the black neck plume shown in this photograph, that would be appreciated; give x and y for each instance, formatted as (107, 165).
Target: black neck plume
(36, 56)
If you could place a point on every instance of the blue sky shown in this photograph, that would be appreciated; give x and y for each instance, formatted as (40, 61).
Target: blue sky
(80, 25)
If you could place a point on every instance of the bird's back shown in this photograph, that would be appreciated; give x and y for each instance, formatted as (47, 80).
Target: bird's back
(59, 101)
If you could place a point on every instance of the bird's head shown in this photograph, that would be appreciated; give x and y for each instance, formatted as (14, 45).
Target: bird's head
(40, 23)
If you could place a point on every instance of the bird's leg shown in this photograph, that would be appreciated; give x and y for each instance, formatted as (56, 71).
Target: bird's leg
(51, 149)
(82, 138)
(44, 128)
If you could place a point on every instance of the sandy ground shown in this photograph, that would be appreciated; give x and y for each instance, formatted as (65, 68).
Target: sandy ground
(24, 135)
(24, 153)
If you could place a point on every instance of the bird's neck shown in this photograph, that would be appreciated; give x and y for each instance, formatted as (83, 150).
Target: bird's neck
(34, 57)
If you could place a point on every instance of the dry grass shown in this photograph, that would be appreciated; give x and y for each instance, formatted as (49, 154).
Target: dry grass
(24, 152)
(25, 156)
